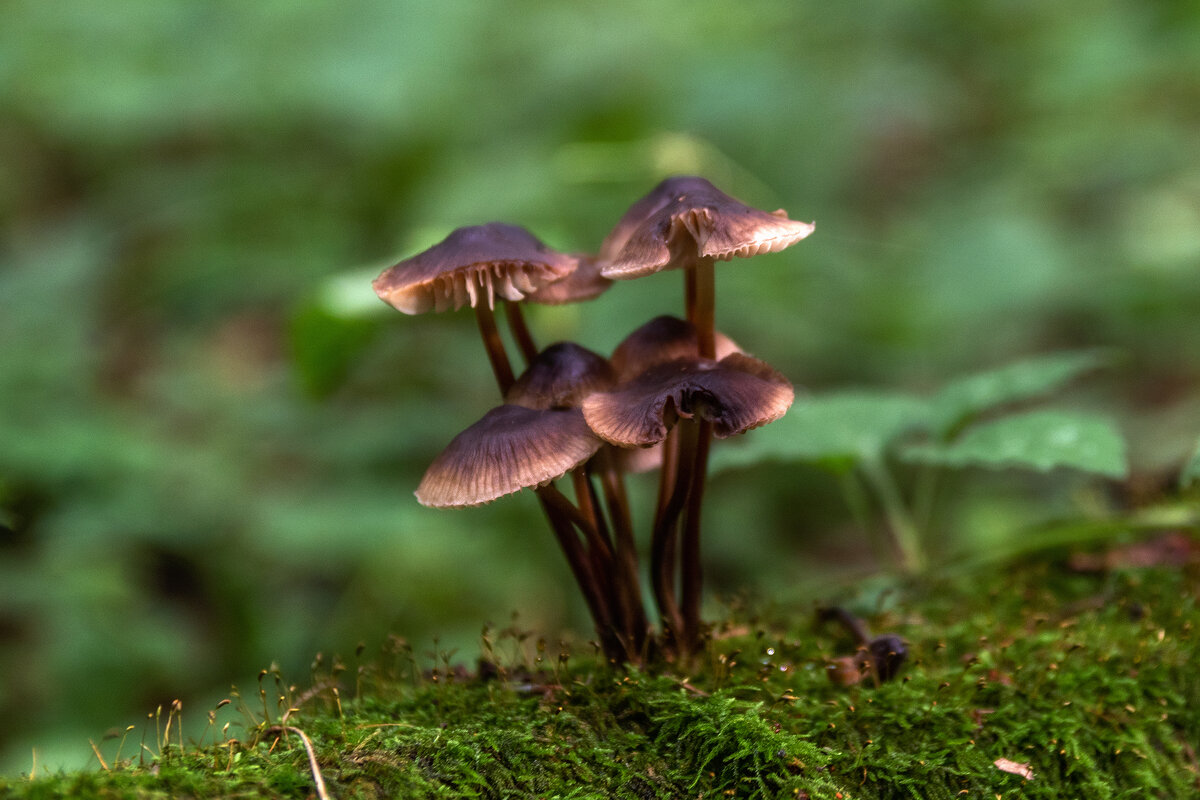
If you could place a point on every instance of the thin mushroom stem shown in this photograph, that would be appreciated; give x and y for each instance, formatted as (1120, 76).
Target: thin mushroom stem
(582, 521)
(585, 500)
(598, 555)
(700, 287)
(553, 504)
(612, 481)
(691, 571)
(592, 523)
(665, 536)
(494, 346)
(661, 545)
(563, 516)
(520, 331)
(700, 295)
(609, 565)
(604, 559)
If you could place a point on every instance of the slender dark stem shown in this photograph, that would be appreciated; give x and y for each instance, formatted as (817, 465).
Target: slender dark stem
(666, 524)
(701, 298)
(520, 332)
(589, 513)
(557, 509)
(563, 516)
(599, 548)
(595, 532)
(494, 346)
(691, 571)
(701, 306)
(612, 481)
(661, 545)
(606, 560)
(661, 582)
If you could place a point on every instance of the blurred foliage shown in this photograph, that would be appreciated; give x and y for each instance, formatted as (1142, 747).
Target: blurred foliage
(207, 445)
(855, 434)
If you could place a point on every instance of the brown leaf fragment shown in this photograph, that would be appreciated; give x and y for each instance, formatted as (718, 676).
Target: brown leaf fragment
(1172, 549)
(1014, 767)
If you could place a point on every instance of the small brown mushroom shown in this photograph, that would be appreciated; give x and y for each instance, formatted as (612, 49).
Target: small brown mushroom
(472, 266)
(687, 222)
(690, 217)
(511, 448)
(660, 340)
(724, 397)
(561, 376)
(880, 656)
(735, 394)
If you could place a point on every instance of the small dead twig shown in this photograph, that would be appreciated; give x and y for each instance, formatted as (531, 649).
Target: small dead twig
(322, 792)
(99, 757)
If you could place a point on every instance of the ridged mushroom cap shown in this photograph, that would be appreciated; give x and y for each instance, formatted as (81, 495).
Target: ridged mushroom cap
(509, 449)
(470, 266)
(583, 283)
(736, 394)
(661, 195)
(560, 377)
(698, 219)
(662, 339)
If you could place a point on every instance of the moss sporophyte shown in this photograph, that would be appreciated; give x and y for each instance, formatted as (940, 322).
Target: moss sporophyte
(669, 388)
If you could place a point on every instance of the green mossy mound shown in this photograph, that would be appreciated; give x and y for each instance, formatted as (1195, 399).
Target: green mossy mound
(1086, 680)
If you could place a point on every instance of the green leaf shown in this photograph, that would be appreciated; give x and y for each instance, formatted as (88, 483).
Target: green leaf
(841, 427)
(1041, 440)
(960, 400)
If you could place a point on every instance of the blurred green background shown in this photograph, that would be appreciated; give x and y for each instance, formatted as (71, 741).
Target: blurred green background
(210, 429)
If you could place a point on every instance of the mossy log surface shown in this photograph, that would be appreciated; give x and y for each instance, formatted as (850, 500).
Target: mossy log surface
(1036, 681)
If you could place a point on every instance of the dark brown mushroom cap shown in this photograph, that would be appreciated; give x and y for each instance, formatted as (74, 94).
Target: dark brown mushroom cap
(560, 377)
(583, 283)
(705, 222)
(662, 194)
(509, 449)
(473, 265)
(736, 394)
(662, 339)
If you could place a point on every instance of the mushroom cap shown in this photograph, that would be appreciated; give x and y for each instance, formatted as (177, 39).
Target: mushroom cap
(509, 449)
(662, 339)
(736, 394)
(636, 460)
(583, 283)
(662, 194)
(470, 266)
(699, 219)
(560, 377)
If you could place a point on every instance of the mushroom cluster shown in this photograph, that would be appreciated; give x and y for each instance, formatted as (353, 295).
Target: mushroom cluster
(663, 394)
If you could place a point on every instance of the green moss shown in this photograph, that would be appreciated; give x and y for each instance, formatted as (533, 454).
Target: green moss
(1086, 679)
